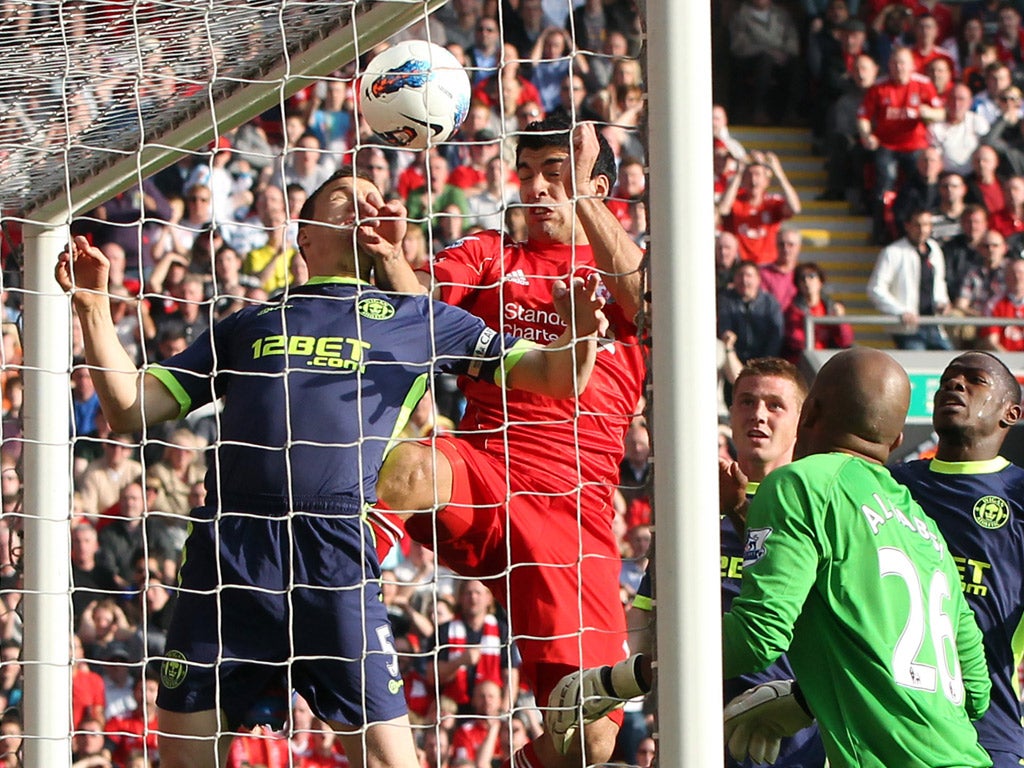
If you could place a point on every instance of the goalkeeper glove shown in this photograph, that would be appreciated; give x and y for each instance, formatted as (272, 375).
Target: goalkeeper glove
(758, 719)
(600, 690)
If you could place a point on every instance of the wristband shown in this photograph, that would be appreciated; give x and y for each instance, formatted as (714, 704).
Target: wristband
(625, 680)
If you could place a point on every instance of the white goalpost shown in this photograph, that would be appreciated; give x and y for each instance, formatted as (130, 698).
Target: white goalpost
(103, 95)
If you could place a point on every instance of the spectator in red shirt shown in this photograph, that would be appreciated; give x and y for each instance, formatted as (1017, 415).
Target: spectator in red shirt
(88, 693)
(926, 50)
(940, 71)
(1008, 338)
(1010, 220)
(983, 186)
(471, 176)
(754, 215)
(481, 731)
(628, 192)
(1010, 36)
(809, 280)
(137, 730)
(893, 122)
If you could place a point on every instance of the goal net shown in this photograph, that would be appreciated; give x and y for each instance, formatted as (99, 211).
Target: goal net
(181, 139)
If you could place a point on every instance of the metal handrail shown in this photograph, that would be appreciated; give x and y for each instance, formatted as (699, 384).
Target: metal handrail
(810, 321)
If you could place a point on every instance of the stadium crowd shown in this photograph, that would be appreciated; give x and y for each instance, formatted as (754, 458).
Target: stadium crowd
(915, 110)
(217, 232)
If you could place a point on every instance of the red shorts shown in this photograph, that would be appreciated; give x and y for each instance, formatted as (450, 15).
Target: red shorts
(555, 570)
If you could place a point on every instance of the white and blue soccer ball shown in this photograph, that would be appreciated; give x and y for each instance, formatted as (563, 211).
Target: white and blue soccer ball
(414, 93)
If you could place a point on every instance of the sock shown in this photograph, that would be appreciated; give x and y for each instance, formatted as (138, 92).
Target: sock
(388, 528)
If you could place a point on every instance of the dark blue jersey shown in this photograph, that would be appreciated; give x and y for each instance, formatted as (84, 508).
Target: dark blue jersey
(317, 385)
(979, 509)
(804, 750)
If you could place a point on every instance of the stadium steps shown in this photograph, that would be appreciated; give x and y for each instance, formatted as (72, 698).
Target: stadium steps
(833, 237)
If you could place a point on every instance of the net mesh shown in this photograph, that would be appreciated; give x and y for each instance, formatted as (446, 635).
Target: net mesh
(88, 83)
(99, 96)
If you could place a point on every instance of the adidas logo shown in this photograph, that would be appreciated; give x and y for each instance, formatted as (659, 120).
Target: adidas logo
(517, 276)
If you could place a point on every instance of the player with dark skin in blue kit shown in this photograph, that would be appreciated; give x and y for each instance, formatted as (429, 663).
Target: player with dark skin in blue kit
(976, 497)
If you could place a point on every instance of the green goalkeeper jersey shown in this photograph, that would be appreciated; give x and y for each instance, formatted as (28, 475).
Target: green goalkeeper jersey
(846, 574)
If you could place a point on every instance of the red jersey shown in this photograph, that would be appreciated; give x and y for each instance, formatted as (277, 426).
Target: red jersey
(1010, 54)
(88, 694)
(992, 196)
(483, 92)
(466, 176)
(1006, 223)
(757, 226)
(895, 112)
(508, 285)
(1011, 337)
(130, 733)
(469, 737)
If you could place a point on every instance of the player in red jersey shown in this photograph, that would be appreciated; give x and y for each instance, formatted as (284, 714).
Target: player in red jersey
(529, 483)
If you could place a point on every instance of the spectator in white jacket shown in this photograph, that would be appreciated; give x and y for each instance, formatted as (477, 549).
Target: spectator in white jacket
(909, 281)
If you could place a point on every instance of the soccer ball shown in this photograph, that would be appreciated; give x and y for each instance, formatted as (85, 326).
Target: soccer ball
(413, 93)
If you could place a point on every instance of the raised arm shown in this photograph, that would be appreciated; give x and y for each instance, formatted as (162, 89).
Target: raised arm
(788, 191)
(615, 253)
(82, 271)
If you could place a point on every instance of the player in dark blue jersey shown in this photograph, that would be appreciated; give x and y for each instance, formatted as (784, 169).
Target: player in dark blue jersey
(280, 578)
(976, 498)
(764, 414)
(768, 393)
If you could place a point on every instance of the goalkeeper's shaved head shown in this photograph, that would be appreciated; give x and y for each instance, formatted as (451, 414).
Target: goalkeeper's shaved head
(857, 405)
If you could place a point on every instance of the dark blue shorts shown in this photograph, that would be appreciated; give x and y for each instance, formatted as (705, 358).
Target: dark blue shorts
(269, 601)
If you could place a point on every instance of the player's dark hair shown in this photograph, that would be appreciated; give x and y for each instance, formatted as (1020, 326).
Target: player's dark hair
(772, 366)
(555, 130)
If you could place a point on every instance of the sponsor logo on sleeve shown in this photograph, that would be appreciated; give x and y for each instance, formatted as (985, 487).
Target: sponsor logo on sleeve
(756, 546)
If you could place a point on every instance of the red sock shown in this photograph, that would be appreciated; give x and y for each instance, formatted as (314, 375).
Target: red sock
(388, 528)
(524, 758)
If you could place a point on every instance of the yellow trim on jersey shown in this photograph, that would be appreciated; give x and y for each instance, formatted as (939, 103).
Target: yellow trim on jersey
(1017, 645)
(513, 356)
(419, 386)
(752, 488)
(985, 467)
(325, 279)
(184, 549)
(643, 603)
(177, 391)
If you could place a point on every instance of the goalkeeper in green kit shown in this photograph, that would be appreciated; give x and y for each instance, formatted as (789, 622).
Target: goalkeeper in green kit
(847, 575)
